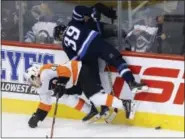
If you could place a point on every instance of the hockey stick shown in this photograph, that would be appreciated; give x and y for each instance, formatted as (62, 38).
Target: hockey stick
(54, 116)
(114, 113)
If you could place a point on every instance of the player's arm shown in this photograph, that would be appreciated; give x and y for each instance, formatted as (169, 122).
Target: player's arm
(80, 11)
(64, 75)
(105, 10)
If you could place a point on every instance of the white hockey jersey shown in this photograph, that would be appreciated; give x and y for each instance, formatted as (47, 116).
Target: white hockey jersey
(41, 32)
(48, 75)
(142, 37)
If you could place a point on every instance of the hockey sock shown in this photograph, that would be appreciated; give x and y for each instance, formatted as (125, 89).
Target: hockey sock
(107, 100)
(125, 73)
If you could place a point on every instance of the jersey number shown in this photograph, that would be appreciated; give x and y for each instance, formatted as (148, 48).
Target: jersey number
(74, 33)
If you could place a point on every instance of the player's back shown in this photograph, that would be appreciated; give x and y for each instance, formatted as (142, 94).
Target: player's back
(77, 38)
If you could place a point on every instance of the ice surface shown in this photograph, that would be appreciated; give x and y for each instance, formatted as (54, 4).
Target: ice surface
(15, 125)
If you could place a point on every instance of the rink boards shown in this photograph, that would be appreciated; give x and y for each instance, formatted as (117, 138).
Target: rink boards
(162, 105)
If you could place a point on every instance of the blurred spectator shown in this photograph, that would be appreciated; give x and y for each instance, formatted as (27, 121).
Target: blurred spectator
(29, 19)
(42, 30)
(41, 10)
(183, 45)
(147, 34)
(173, 26)
(9, 21)
(160, 35)
(167, 17)
(142, 37)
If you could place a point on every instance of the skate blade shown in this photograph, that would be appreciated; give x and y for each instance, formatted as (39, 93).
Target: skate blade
(133, 111)
(105, 115)
(111, 117)
(93, 119)
(139, 90)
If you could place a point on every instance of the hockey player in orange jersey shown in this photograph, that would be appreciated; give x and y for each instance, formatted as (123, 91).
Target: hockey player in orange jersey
(44, 79)
(63, 77)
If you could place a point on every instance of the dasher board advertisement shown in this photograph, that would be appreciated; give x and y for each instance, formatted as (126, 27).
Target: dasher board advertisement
(162, 105)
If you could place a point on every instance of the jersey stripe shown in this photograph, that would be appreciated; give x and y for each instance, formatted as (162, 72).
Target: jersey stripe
(44, 107)
(85, 45)
(109, 100)
(74, 66)
(45, 66)
(80, 104)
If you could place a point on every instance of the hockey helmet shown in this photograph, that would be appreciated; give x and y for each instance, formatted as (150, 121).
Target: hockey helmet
(58, 31)
(32, 75)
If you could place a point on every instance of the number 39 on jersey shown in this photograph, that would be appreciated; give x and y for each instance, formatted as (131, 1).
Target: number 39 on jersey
(72, 35)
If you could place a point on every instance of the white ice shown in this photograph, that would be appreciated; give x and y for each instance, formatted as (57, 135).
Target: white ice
(15, 125)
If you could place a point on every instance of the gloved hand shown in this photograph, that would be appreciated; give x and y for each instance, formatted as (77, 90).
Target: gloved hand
(96, 15)
(60, 86)
(112, 14)
(33, 121)
(59, 89)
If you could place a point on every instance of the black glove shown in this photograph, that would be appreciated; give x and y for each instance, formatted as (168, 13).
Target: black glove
(112, 14)
(96, 15)
(59, 90)
(39, 115)
(58, 31)
(60, 86)
(105, 10)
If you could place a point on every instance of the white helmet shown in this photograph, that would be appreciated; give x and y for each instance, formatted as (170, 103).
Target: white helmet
(31, 74)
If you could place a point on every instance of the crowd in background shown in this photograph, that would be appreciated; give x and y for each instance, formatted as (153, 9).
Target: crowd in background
(167, 38)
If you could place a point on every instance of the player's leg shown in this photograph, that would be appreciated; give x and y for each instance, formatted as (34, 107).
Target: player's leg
(74, 101)
(94, 67)
(99, 99)
(94, 92)
(71, 98)
(113, 57)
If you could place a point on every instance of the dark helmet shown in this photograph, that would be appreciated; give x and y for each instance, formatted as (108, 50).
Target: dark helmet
(58, 31)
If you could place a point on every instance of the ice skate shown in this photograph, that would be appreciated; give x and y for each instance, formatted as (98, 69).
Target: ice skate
(92, 116)
(137, 87)
(104, 113)
(130, 108)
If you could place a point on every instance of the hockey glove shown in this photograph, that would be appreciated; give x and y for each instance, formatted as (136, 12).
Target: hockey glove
(39, 115)
(60, 86)
(112, 14)
(58, 31)
(96, 15)
(105, 10)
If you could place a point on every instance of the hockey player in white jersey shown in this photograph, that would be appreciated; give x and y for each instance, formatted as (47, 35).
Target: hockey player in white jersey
(64, 77)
